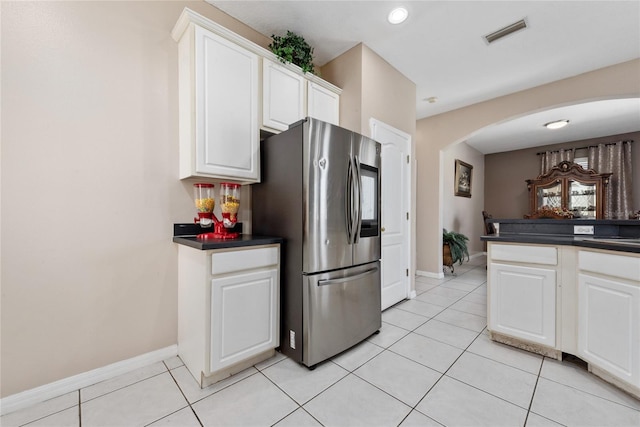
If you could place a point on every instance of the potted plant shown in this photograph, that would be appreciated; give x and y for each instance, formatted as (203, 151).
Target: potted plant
(454, 248)
(293, 48)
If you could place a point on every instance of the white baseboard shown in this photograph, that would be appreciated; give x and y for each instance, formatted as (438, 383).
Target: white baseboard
(58, 388)
(430, 274)
(477, 254)
(412, 295)
(440, 275)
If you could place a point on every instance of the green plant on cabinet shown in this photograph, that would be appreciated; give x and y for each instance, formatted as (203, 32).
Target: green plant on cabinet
(293, 48)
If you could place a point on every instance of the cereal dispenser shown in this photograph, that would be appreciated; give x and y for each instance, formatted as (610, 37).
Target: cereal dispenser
(229, 205)
(204, 204)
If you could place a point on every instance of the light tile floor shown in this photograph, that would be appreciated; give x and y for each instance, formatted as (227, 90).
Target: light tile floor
(431, 364)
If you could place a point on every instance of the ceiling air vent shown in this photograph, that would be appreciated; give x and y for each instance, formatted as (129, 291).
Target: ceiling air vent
(503, 32)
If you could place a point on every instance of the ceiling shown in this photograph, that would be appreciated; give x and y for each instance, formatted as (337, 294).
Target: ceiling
(441, 48)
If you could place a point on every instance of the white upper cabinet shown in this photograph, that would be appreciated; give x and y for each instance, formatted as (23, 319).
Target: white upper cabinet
(218, 101)
(323, 104)
(283, 96)
(289, 96)
(221, 93)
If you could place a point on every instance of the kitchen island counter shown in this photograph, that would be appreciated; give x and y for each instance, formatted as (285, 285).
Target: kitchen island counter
(614, 235)
(554, 291)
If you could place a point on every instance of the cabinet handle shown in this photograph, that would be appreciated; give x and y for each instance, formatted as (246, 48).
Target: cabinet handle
(382, 229)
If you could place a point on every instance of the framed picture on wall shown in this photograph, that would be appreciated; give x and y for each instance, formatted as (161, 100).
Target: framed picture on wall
(462, 183)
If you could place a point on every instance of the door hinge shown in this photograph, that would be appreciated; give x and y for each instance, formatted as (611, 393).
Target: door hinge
(407, 216)
(407, 158)
(407, 272)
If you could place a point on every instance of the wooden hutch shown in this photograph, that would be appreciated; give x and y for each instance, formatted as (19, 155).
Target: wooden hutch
(568, 190)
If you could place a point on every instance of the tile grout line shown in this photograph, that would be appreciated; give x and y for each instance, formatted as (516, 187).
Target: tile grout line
(294, 400)
(441, 376)
(185, 398)
(79, 409)
(533, 395)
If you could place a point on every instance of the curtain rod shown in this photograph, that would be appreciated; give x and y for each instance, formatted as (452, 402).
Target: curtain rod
(583, 148)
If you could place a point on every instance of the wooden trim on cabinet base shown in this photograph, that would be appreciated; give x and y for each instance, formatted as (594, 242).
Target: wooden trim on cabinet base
(525, 345)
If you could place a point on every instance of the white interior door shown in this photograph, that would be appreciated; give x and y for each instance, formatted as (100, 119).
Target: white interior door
(396, 185)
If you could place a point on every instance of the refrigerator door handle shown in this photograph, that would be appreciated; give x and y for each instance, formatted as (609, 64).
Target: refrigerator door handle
(348, 278)
(348, 203)
(352, 192)
(358, 225)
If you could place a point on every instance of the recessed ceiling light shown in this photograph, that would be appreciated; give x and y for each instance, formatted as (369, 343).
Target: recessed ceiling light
(557, 124)
(431, 99)
(397, 15)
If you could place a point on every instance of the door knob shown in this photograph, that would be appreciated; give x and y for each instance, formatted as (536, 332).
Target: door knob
(382, 229)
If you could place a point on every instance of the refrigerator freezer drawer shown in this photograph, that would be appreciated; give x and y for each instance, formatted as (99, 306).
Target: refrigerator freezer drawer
(342, 308)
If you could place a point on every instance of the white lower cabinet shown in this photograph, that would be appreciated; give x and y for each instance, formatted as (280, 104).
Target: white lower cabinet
(243, 317)
(228, 309)
(523, 303)
(609, 314)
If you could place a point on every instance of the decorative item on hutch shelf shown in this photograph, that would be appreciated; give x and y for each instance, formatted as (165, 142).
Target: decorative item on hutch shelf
(229, 205)
(462, 183)
(551, 213)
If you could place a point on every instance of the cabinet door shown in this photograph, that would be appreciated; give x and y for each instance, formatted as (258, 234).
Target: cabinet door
(549, 194)
(522, 303)
(283, 96)
(582, 200)
(244, 316)
(323, 104)
(226, 110)
(609, 326)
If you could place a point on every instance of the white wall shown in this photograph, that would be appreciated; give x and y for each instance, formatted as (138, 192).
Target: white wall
(90, 186)
(464, 214)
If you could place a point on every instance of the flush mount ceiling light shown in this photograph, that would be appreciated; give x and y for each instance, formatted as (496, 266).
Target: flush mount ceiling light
(557, 124)
(503, 32)
(431, 99)
(397, 15)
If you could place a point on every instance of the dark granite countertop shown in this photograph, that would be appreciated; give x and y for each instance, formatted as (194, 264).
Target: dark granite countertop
(186, 234)
(242, 241)
(582, 241)
(614, 235)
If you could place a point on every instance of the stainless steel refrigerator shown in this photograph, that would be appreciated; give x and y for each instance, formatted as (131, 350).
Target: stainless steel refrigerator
(320, 190)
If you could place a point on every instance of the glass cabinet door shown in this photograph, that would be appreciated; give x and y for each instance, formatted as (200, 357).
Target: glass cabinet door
(549, 195)
(582, 201)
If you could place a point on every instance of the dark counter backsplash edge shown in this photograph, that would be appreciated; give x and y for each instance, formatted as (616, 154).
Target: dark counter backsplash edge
(565, 227)
(187, 229)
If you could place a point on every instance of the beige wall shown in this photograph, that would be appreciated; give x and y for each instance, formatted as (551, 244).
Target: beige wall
(346, 73)
(387, 95)
(90, 185)
(506, 194)
(435, 133)
(372, 88)
(464, 214)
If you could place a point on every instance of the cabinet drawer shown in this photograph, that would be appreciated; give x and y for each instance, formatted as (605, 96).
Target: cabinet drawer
(243, 259)
(625, 267)
(546, 255)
